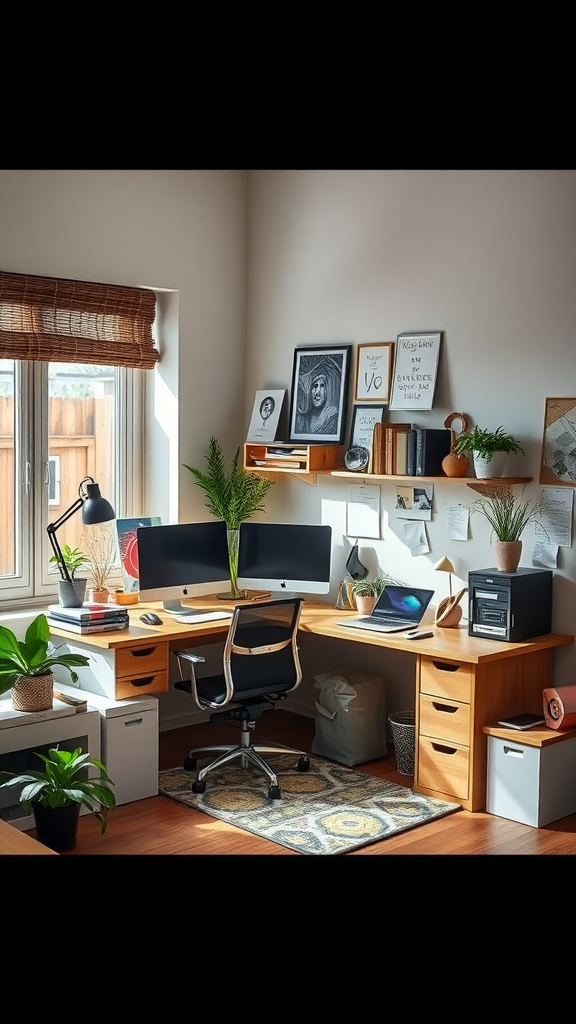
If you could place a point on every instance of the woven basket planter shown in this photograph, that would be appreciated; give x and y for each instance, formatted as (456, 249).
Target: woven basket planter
(33, 693)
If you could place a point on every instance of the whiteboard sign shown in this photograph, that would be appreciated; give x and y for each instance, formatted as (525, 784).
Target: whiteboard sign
(415, 370)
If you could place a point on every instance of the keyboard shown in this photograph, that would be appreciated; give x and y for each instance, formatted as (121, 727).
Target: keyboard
(376, 620)
(189, 620)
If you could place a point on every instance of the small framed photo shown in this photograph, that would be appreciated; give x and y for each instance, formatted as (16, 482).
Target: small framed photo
(319, 397)
(374, 371)
(558, 463)
(265, 416)
(364, 418)
(415, 370)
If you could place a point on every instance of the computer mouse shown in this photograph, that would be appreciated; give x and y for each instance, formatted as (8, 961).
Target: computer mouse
(151, 619)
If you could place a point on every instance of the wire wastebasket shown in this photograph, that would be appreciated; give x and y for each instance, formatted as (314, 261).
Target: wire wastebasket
(403, 725)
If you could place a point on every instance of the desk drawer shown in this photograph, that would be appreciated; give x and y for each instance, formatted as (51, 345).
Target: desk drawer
(448, 719)
(452, 679)
(137, 661)
(135, 686)
(443, 767)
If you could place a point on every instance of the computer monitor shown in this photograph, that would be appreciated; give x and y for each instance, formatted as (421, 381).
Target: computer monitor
(183, 560)
(281, 556)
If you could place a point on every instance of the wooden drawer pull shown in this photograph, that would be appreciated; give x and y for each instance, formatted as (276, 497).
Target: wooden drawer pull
(445, 708)
(444, 750)
(444, 666)
(142, 652)
(142, 682)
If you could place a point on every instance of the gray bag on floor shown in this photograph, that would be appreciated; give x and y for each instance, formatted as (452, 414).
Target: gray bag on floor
(350, 719)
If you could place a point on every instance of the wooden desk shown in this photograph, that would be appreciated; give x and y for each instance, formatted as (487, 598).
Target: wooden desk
(14, 841)
(462, 683)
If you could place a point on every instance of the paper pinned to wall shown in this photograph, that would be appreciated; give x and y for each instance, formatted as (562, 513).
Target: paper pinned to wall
(416, 538)
(458, 522)
(363, 511)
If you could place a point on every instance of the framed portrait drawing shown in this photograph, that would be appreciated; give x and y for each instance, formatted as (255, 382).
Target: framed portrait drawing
(364, 417)
(319, 396)
(374, 371)
(558, 464)
(415, 370)
(265, 417)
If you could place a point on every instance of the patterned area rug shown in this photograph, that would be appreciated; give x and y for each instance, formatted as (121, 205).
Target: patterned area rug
(329, 809)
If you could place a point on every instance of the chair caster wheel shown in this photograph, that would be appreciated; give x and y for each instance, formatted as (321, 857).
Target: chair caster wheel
(303, 764)
(274, 792)
(198, 787)
(189, 764)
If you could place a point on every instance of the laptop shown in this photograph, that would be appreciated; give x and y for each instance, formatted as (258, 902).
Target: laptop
(396, 609)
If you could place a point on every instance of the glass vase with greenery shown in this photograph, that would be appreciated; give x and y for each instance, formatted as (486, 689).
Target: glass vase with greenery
(232, 495)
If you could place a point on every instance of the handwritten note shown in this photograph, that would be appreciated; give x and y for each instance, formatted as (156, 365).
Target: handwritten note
(415, 371)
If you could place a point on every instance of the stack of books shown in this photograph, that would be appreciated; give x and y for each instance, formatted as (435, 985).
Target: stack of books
(89, 618)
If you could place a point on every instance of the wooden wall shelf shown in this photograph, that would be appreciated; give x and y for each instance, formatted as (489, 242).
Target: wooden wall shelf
(304, 460)
(482, 486)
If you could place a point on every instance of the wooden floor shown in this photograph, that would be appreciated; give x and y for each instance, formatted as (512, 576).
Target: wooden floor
(159, 825)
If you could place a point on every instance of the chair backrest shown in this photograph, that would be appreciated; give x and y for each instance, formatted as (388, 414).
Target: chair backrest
(261, 652)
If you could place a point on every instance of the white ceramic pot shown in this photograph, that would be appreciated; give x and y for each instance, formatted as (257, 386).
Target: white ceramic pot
(487, 469)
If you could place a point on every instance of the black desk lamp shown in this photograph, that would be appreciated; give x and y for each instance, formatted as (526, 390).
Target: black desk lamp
(95, 509)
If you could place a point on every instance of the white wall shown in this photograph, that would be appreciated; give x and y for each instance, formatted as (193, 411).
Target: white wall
(361, 256)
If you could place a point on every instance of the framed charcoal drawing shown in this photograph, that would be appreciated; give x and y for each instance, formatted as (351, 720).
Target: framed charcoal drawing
(373, 371)
(319, 396)
(364, 417)
(558, 465)
(415, 369)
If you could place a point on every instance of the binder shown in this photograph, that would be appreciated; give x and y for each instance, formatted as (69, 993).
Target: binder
(411, 452)
(432, 445)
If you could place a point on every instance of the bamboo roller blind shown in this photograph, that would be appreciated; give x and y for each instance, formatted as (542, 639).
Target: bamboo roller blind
(58, 320)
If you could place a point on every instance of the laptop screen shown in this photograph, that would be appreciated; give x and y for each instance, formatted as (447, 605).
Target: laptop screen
(408, 603)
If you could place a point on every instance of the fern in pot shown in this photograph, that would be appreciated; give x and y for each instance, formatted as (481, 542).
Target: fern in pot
(231, 495)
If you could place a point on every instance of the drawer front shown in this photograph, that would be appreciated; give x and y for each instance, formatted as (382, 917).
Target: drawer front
(156, 682)
(451, 679)
(443, 767)
(137, 661)
(446, 719)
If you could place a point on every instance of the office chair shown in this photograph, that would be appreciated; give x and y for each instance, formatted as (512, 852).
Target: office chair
(260, 667)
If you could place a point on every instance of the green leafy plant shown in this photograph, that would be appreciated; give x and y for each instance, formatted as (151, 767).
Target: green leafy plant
(373, 587)
(63, 783)
(33, 656)
(73, 559)
(507, 515)
(486, 442)
(232, 495)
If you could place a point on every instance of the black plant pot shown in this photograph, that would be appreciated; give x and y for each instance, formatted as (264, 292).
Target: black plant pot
(57, 827)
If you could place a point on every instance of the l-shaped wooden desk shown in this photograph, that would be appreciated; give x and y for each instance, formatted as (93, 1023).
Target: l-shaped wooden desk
(462, 683)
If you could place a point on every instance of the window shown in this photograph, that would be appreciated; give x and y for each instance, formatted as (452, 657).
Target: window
(73, 356)
(61, 422)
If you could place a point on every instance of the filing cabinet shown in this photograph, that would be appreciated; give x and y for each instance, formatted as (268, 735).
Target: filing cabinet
(454, 701)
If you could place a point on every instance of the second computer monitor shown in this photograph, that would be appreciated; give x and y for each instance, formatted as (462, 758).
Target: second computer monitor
(285, 557)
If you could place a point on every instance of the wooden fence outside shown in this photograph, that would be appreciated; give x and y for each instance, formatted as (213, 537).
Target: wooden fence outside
(81, 432)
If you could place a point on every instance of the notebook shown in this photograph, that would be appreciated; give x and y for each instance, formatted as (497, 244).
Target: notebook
(397, 608)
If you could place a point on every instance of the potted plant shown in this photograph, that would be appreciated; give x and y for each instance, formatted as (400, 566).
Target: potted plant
(73, 559)
(367, 591)
(57, 793)
(488, 449)
(508, 516)
(26, 666)
(232, 496)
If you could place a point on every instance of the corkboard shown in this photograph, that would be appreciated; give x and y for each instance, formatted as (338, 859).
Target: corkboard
(558, 464)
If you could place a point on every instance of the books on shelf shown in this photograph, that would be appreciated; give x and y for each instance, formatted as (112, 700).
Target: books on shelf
(432, 446)
(84, 628)
(392, 433)
(10, 718)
